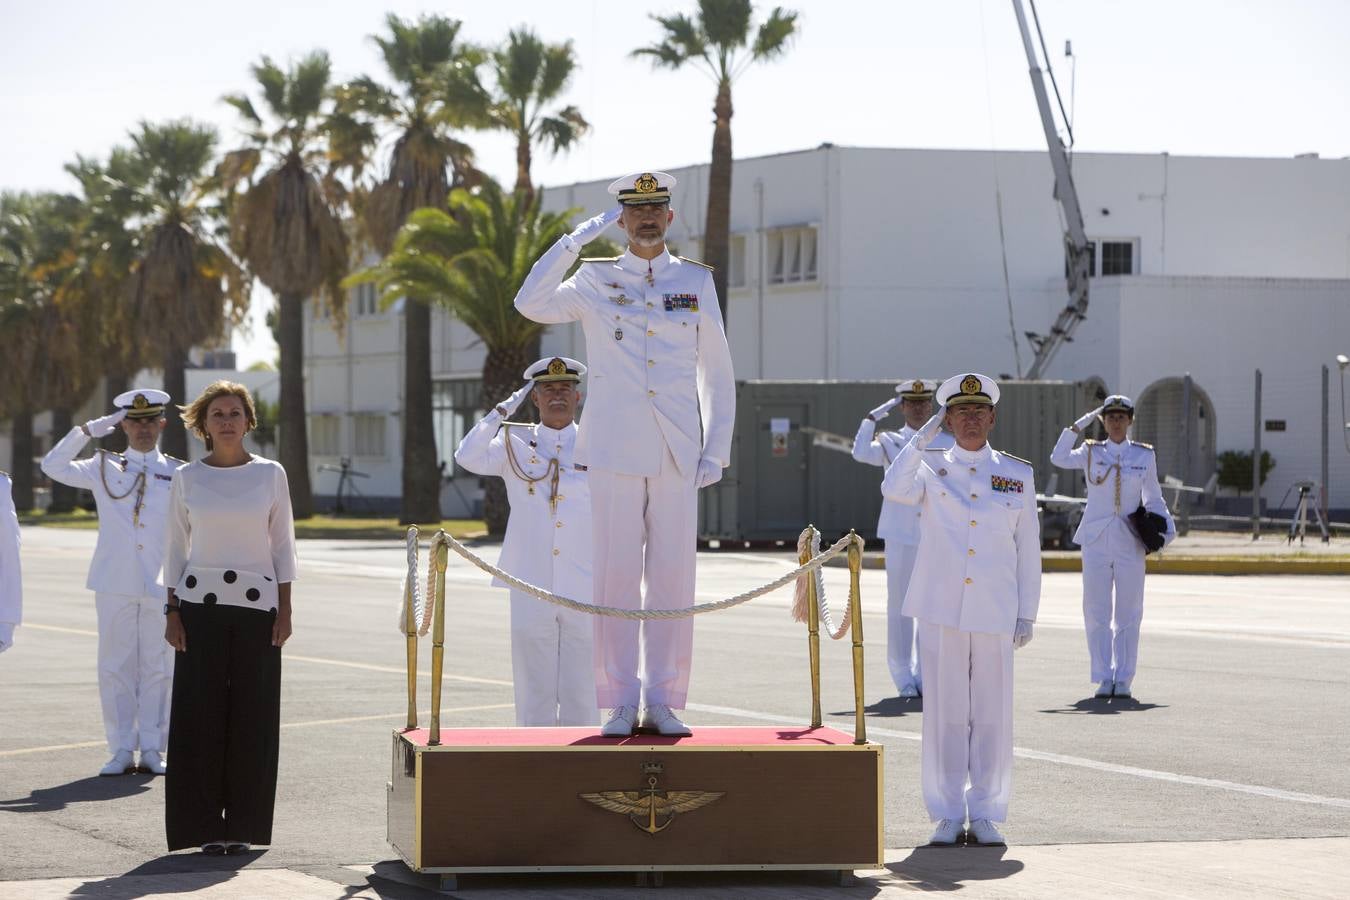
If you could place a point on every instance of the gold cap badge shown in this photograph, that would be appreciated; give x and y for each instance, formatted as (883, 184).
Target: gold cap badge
(645, 184)
(970, 385)
(557, 367)
(139, 402)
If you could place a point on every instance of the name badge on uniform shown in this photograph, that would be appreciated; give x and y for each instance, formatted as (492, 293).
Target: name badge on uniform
(681, 302)
(1005, 485)
(163, 477)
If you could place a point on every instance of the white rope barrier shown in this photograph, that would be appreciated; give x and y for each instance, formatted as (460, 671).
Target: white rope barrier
(800, 611)
(811, 568)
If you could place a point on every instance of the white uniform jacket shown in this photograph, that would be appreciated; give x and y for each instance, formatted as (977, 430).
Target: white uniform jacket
(898, 522)
(1138, 483)
(130, 549)
(11, 582)
(547, 548)
(979, 559)
(660, 369)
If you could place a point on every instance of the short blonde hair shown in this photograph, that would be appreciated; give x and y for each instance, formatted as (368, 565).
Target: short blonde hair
(194, 414)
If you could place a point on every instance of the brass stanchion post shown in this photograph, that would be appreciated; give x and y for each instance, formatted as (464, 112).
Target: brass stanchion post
(410, 631)
(855, 614)
(442, 552)
(813, 630)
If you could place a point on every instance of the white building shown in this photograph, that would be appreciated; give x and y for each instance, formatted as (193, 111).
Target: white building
(852, 263)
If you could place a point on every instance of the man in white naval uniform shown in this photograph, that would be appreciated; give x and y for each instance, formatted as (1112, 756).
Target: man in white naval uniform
(899, 524)
(975, 591)
(548, 542)
(1121, 476)
(658, 425)
(11, 580)
(135, 665)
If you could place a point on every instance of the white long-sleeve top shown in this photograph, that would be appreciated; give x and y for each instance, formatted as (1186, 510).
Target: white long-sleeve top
(231, 518)
(131, 515)
(978, 566)
(546, 546)
(660, 369)
(11, 581)
(898, 521)
(1102, 461)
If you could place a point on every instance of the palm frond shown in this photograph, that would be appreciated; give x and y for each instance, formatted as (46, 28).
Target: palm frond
(725, 23)
(273, 83)
(244, 107)
(775, 34)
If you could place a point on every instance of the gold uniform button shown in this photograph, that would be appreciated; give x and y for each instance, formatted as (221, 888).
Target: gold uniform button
(973, 469)
(650, 333)
(556, 551)
(651, 362)
(970, 552)
(968, 580)
(972, 523)
(650, 305)
(974, 496)
(140, 547)
(559, 525)
(651, 393)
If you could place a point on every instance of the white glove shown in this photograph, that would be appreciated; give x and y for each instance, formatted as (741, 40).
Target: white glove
(930, 429)
(104, 426)
(1022, 634)
(1086, 419)
(709, 472)
(881, 411)
(593, 227)
(512, 403)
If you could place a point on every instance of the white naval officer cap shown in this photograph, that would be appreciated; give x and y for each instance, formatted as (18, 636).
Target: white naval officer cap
(916, 389)
(142, 403)
(968, 389)
(555, 368)
(642, 188)
(1118, 403)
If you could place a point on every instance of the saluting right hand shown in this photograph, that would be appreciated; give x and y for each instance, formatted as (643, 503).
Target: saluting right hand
(881, 411)
(593, 227)
(1087, 419)
(104, 425)
(930, 429)
(512, 403)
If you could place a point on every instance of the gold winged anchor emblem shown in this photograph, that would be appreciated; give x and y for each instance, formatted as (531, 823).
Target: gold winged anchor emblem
(646, 808)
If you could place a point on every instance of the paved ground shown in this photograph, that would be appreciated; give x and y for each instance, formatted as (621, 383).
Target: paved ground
(1226, 777)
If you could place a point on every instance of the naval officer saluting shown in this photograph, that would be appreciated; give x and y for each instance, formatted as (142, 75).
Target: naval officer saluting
(135, 666)
(1122, 476)
(657, 428)
(975, 591)
(899, 524)
(548, 541)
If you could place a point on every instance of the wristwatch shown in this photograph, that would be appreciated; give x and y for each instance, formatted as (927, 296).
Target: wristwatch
(171, 607)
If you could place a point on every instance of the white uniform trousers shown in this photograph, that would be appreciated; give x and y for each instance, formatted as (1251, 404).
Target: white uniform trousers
(967, 723)
(1115, 558)
(135, 671)
(645, 531)
(902, 651)
(551, 664)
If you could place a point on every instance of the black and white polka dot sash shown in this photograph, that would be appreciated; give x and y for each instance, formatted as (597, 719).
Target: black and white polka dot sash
(228, 587)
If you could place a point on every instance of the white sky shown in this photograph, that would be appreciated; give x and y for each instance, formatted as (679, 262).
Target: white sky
(1193, 77)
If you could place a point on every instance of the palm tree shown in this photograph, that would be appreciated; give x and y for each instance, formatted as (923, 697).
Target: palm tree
(184, 288)
(471, 260)
(437, 91)
(717, 43)
(286, 228)
(531, 74)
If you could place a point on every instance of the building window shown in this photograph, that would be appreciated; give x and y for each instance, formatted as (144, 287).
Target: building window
(791, 255)
(454, 410)
(364, 300)
(368, 429)
(325, 435)
(736, 262)
(1118, 258)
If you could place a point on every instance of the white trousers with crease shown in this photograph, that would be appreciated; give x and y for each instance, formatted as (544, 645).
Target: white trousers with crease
(1115, 559)
(902, 651)
(645, 533)
(967, 723)
(135, 671)
(551, 664)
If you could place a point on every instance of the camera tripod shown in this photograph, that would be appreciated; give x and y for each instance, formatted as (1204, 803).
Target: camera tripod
(1299, 523)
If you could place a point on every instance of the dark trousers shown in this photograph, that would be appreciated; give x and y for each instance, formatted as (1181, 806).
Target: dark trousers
(223, 729)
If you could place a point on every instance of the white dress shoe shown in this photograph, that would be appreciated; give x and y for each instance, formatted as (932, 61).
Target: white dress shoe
(152, 763)
(234, 848)
(984, 833)
(121, 763)
(661, 718)
(621, 722)
(1122, 689)
(948, 832)
(1104, 689)
(909, 690)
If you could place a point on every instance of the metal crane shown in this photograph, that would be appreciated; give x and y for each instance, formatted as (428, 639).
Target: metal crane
(1077, 251)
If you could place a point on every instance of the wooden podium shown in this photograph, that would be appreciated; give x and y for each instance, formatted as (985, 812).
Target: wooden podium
(566, 800)
(500, 800)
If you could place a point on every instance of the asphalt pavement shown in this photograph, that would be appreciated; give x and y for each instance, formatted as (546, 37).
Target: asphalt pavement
(1226, 776)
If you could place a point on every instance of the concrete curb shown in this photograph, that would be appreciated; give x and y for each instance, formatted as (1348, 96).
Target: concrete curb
(1176, 565)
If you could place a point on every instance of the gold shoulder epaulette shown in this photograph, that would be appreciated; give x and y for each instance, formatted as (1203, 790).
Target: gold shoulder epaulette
(1142, 444)
(1091, 441)
(1018, 458)
(695, 262)
(587, 259)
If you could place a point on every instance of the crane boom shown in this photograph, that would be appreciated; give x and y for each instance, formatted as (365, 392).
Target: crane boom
(1077, 252)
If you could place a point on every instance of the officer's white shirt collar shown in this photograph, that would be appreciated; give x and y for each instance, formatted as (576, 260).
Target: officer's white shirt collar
(137, 458)
(1117, 448)
(631, 262)
(971, 456)
(564, 435)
